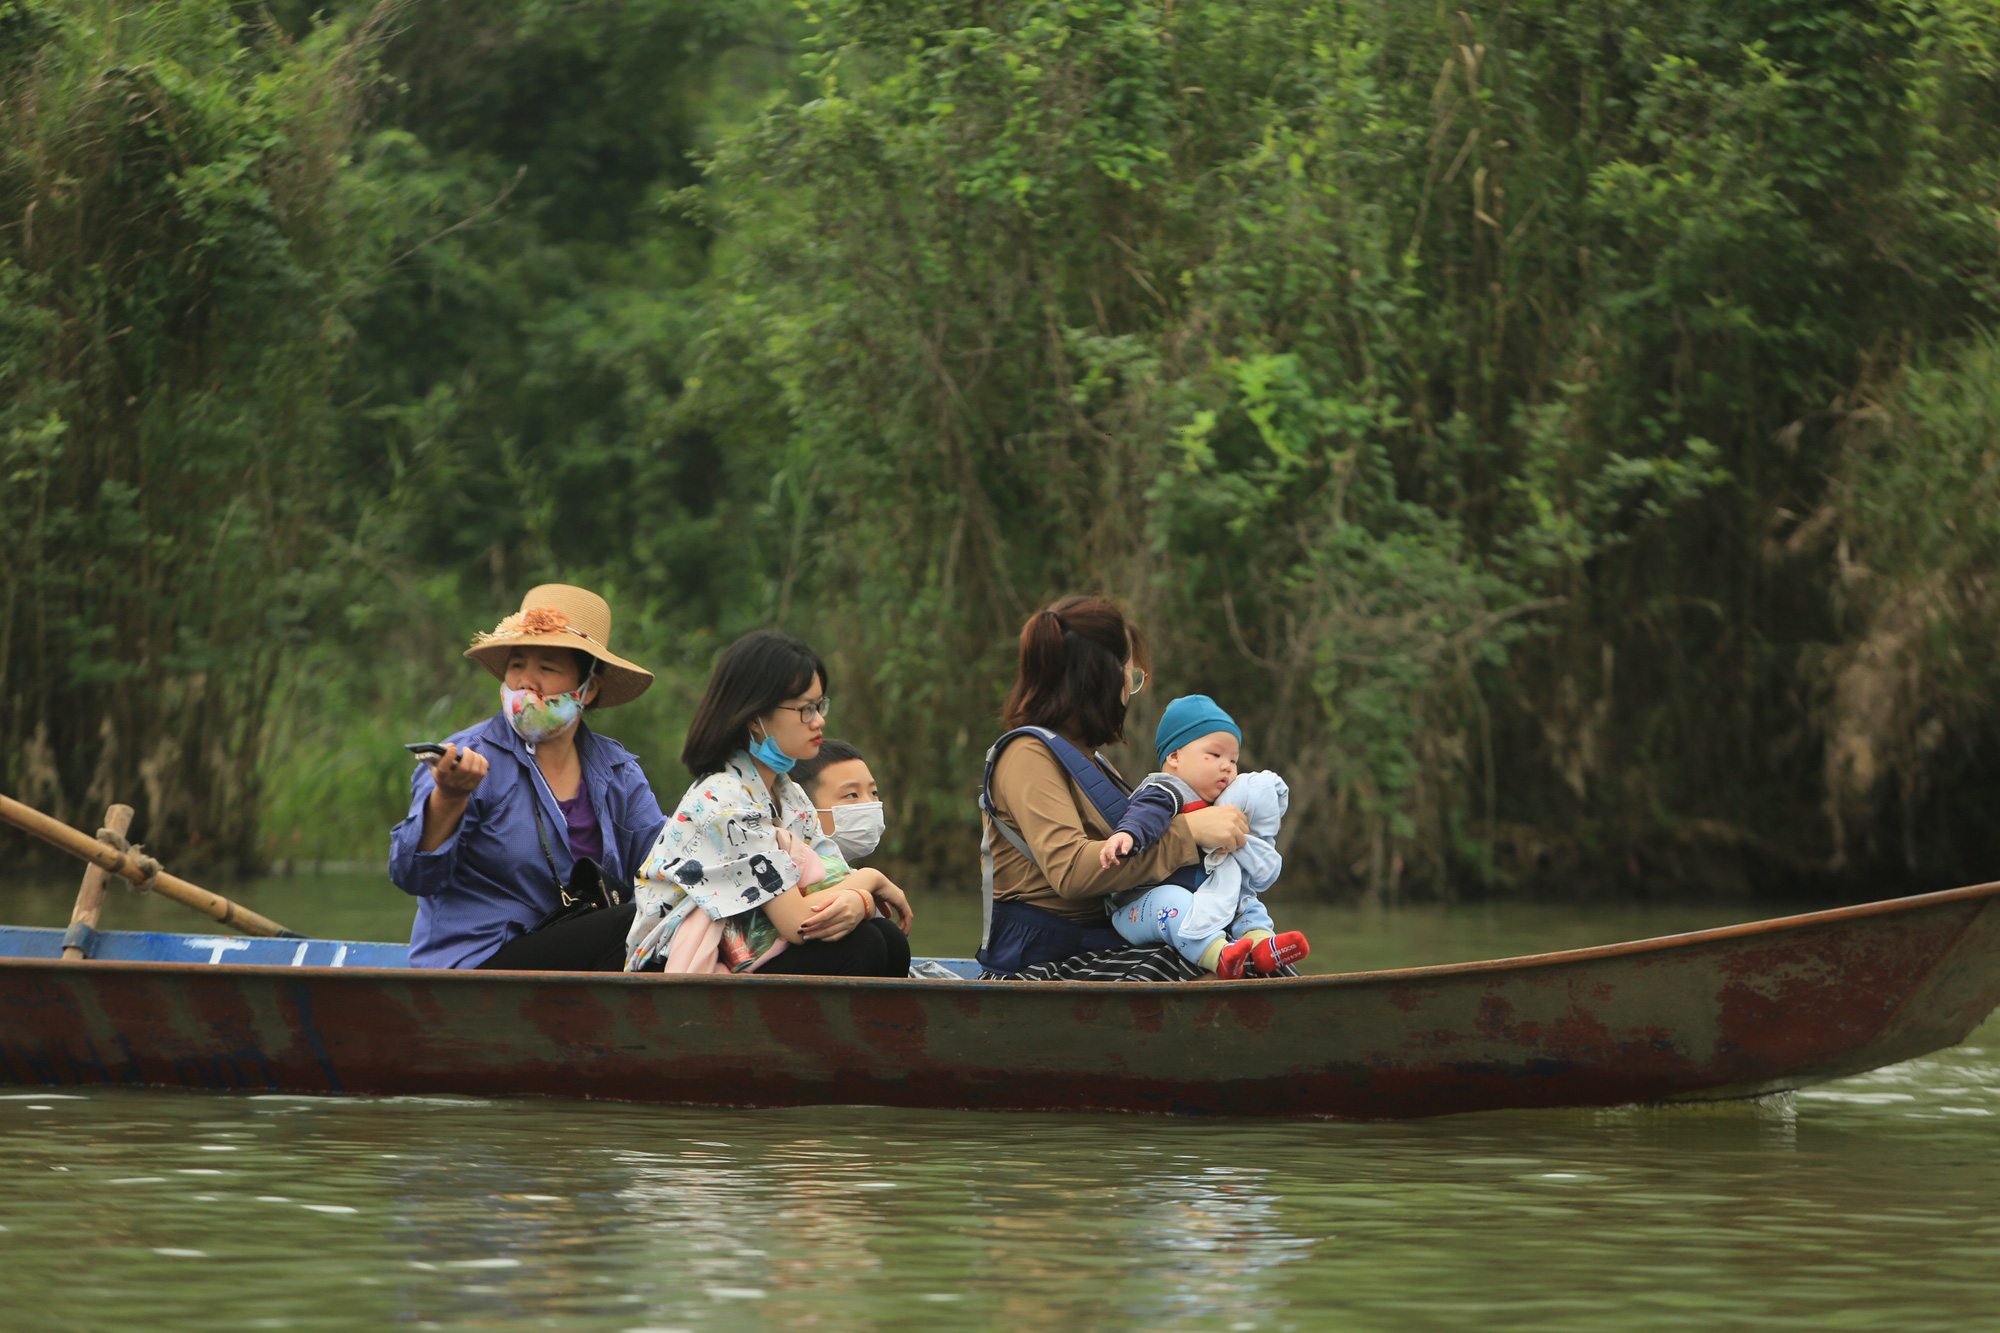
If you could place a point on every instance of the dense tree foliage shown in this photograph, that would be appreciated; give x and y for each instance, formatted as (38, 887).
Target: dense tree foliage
(1566, 436)
(1451, 391)
(177, 239)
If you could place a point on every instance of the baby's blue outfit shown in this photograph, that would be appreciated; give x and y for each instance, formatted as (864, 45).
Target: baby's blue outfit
(1228, 899)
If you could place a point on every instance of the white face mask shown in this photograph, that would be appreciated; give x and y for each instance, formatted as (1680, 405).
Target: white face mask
(857, 828)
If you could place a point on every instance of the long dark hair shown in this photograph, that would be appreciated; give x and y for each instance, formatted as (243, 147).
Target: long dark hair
(754, 675)
(1073, 655)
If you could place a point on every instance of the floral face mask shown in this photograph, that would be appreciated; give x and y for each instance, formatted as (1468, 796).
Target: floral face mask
(535, 719)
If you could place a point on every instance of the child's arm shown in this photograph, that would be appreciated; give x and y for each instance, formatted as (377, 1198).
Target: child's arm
(1146, 819)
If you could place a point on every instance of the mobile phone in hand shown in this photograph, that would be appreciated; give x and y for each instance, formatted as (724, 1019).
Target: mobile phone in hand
(428, 751)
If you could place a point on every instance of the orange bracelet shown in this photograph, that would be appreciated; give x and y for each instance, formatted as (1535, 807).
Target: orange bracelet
(867, 902)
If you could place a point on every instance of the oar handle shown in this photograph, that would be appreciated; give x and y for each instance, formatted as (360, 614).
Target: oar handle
(212, 905)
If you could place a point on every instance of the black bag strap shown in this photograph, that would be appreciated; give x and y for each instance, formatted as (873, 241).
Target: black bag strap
(584, 870)
(535, 804)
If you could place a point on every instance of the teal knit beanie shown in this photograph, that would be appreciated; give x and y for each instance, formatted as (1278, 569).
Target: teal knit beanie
(1189, 718)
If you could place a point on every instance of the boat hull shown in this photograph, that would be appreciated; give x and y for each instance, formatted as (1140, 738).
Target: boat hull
(1728, 1013)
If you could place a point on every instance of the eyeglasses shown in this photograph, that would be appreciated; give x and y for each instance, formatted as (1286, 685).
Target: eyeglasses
(1137, 676)
(821, 707)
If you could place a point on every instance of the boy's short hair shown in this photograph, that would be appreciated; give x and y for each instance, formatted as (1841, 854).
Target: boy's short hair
(806, 772)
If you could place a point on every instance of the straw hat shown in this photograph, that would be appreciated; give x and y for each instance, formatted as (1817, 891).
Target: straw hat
(557, 615)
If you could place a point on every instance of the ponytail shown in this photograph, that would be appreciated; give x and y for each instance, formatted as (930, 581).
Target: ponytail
(1044, 651)
(1073, 655)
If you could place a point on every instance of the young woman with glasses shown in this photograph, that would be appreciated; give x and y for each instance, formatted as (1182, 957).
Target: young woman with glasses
(743, 878)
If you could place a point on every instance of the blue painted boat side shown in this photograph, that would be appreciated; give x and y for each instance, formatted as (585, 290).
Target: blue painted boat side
(146, 946)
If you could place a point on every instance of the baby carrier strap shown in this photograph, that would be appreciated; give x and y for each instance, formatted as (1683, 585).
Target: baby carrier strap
(1095, 783)
(1183, 794)
(1099, 789)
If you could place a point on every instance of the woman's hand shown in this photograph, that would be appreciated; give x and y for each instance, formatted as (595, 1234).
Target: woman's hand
(833, 914)
(457, 773)
(1220, 827)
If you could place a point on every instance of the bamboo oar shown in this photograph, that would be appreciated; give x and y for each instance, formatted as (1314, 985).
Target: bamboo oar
(90, 898)
(212, 905)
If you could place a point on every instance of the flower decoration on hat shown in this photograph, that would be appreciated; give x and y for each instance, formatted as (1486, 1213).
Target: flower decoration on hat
(534, 620)
(542, 620)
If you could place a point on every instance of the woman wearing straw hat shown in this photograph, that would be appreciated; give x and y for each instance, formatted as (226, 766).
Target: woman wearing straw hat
(531, 803)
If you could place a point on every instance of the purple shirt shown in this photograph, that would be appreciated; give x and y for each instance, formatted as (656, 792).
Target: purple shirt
(487, 882)
(585, 838)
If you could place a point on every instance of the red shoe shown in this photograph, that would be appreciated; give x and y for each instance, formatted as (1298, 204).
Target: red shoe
(1235, 957)
(1272, 952)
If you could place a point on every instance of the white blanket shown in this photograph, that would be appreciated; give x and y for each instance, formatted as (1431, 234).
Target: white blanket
(1254, 867)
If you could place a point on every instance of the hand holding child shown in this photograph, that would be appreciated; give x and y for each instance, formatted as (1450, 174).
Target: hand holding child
(1116, 850)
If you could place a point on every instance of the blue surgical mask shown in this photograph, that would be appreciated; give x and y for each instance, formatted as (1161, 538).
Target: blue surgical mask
(774, 759)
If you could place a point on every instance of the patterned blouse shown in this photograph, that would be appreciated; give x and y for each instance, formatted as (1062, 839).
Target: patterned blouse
(719, 854)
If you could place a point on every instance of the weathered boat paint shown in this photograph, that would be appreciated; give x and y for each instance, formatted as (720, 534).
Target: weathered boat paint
(1736, 1012)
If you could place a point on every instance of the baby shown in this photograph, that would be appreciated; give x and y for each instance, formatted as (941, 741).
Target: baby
(1221, 926)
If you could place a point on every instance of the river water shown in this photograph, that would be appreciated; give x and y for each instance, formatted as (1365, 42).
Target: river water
(1864, 1204)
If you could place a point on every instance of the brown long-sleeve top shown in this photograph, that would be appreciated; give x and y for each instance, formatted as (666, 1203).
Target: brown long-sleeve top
(1033, 793)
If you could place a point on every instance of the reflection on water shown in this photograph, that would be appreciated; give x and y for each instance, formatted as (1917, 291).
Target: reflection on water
(1865, 1204)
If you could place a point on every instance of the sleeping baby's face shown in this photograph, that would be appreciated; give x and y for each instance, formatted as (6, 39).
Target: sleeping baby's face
(1208, 763)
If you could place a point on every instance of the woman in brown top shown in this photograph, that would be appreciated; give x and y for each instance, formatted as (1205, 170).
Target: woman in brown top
(1081, 662)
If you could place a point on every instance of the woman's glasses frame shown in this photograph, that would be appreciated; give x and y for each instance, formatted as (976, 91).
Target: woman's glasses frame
(1136, 677)
(822, 706)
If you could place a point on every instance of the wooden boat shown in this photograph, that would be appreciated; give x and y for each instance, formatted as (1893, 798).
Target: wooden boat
(1736, 1012)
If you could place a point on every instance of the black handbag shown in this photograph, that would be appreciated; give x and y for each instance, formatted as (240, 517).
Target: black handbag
(586, 891)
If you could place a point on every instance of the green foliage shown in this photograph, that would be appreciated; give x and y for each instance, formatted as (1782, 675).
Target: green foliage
(516, 363)
(1562, 435)
(1404, 370)
(520, 359)
(1909, 534)
(172, 251)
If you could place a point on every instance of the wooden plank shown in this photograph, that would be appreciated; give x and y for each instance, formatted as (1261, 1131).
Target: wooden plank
(90, 897)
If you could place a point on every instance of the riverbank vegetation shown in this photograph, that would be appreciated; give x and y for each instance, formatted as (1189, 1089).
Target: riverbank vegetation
(1569, 440)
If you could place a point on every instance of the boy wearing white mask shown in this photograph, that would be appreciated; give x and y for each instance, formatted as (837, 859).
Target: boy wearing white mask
(844, 793)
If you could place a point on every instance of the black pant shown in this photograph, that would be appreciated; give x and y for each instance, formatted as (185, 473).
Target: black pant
(593, 942)
(875, 948)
